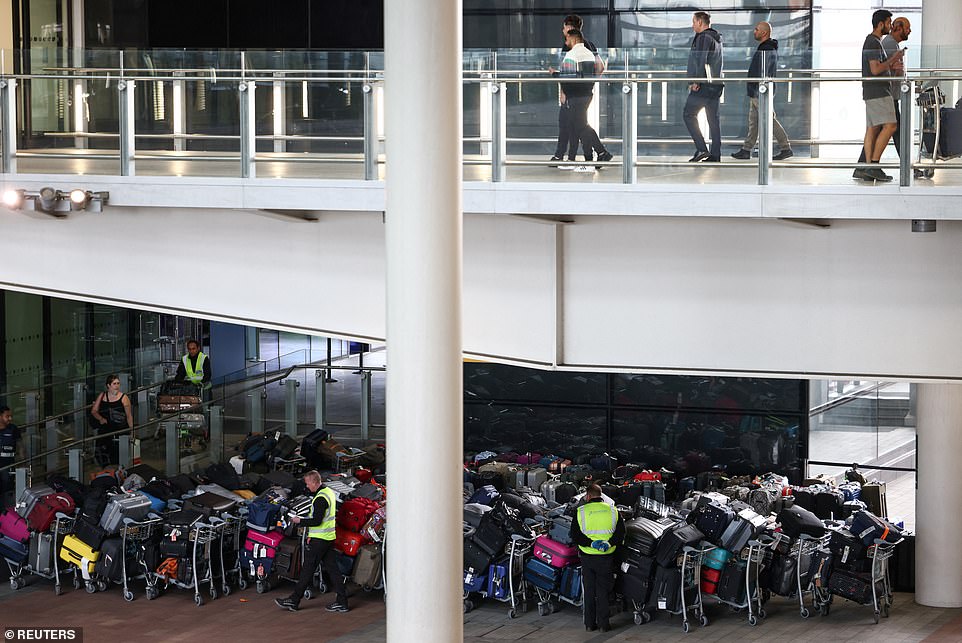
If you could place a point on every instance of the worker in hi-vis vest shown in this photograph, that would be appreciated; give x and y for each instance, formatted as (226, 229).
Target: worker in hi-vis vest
(195, 366)
(321, 533)
(597, 531)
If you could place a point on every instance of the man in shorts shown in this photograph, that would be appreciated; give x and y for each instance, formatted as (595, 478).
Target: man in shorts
(880, 119)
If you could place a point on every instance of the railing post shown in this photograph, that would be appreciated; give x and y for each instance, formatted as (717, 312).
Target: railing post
(8, 125)
(279, 107)
(20, 480)
(906, 127)
(764, 132)
(171, 440)
(216, 433)
(125, 381)
(371, 142)
(320, 398)
(143, 407)
(79, 416)
(123, 450)
(498, 131)
(52, 442)
(290, 406)
(629, 131)
(365, 406)
(256, 411)
(31, 400)
(75, 468)
(248, 142)
(179, 110)
(125, 92)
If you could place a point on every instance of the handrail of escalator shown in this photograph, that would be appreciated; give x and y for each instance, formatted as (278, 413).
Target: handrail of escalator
(846, 398)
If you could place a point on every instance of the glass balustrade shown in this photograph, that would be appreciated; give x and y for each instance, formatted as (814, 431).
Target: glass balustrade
(320, 114)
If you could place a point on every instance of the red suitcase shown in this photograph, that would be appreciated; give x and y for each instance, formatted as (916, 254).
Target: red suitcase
(354, 513)
(348, 542)
(43, 513)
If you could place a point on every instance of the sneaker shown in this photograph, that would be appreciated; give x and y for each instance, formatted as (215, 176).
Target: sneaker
(782, 155)
(584, 169)
(742, 155)
(337, 606)
(554, 161)
(567, 167)
(287, 604)
(699, 157)
(605, 156)
(877, 174)
(859, 173)
(713, 159)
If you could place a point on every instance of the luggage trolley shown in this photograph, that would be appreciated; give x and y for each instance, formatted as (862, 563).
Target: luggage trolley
(202, 535)
(517, 594)
(61, 526)
(806, 546)
(930, 100)
(231, 532)
(691, 561)
(754, 557)
(137, 533)
(880, 553)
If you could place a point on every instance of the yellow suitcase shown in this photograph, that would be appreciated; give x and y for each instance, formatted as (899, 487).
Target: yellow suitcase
(246, 494)
(76, 552)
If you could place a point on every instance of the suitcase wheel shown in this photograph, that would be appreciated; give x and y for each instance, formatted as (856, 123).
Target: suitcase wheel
(198, 600)
(90, 586)
(17, 583)
(242, 583)
(128, 595)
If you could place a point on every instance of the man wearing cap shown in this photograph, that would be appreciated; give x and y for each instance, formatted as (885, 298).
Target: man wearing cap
(597, 531)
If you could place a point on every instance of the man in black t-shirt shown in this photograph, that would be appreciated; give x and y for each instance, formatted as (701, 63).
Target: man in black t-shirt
(567, 139)
(880, 121)
(10, 447)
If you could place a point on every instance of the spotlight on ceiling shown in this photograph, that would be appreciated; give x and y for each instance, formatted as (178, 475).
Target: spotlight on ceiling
(55, 202)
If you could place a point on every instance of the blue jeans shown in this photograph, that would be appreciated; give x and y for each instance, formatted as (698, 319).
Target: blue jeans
(695, 104)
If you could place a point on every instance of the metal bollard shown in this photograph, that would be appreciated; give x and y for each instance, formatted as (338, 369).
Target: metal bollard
(216, 433)
(173, 448)
(365, 405)
(123, 450)
(52, 442)
(75, 467)
(79, 416)
(320, 398)
(256, 411)
(290, 406)
(20, 478)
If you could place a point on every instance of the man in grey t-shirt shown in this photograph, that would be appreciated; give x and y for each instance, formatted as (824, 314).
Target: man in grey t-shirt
(880, 121)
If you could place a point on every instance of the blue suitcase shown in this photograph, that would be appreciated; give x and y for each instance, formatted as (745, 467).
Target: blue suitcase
(473, 582)
(486, 495)
(542, 575)
(12, 550)
(571, 583)
(716, 558)
(498, 582)
(156, 504)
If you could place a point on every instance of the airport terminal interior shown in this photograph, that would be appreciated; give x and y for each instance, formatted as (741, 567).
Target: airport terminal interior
(398, 273)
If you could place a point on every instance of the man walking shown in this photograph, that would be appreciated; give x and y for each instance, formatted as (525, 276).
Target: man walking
(880, 119)
(321, 533)
(763, 65)
(565, 140)
(11, 446)
(901, 28)
(579, 63)
(704, 61)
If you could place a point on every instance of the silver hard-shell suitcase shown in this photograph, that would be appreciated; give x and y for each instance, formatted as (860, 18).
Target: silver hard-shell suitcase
(126, 505)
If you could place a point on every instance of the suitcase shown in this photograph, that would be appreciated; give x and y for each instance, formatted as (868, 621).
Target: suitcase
(368, 491)
(156, 504)
(643, 534)
(828, 504)
(950, 133)
(30, 497)
(367, 567)
(162, 489)
(709, 580)
(13, 550)
(712, 520)
(90, 533)
(535, 478)
(674, 540)
(285, 447)
(183, 483)
(498, 585)
(476, 559)
(354, 513)
(490, 536)
(210, 504)
(223, 475)
(221, 491)
(41, 553)
(869, 527)
(542, 575)
(45, 510)
(558, 491)
(561, 530)
(74, 488)
(797, 520)
(76, 552)
(716, 559)
(348, 542)
(820, 568)
(310, 447)
(474, 582)
(110, 565)
(554, 553)
(262, 516)
(133, 482)
(473, 513)
(133, 505)
(634, 581)
(13, 526)
(846, 547)
(263, 545)
(854, 586)
(373, 529)
(571, 583)
(666, 590)
(287, 562)
(731, 582)
(746, 526)
(145, 471)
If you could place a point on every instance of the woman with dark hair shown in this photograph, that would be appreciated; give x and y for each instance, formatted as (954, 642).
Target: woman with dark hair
(111, 410)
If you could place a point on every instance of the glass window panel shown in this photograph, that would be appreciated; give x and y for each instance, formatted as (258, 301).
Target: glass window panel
(507, 383)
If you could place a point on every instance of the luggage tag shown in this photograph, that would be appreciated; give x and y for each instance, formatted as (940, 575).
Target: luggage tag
(624, 568)
(662, 603)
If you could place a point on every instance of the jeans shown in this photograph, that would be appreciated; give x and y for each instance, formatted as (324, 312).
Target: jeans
(695, 104)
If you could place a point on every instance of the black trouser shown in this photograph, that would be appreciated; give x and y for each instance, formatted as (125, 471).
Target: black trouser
(695, 104)
(6, 483)
(896, 137)
(579, 129)
(597, 574)
(107, 450)
(319, 551)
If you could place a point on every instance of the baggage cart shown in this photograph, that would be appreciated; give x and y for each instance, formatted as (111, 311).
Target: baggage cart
(203, 536)
(691, 561)
(231, 532)
(517, 594)
(881, 600)
(805, 547)
(753, 555)
(133, 534)
(931, 101)
(61, 526)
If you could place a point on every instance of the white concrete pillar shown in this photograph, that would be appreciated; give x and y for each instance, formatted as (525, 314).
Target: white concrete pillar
(423, 116)
(938, 496)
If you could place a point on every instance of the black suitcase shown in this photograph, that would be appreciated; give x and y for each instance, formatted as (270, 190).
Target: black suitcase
(846, 547)
(643, 534)
(183, 483)
(162, 489)
(870, 527)
(223, 474)
(275, 479)
(854, 586)
(666, 591)
(210, 504)
(145, 471)
(674, 540)
(804, 498)
(731, 583)
(310, 446)
(489, 536)
(110, 564)
(712, 520)
(285, 447)
(797, 520)
(90, 533)
(828, 504)
(634, 583)
(820, 568)
(475, 558)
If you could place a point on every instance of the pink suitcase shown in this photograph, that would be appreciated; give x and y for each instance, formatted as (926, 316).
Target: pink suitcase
(263, 544)
(13, 526)
(554, 553)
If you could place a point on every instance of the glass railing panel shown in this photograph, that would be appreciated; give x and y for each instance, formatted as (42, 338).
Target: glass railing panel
(520, 428)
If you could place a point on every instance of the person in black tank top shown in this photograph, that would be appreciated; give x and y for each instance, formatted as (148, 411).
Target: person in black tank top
(111, 410)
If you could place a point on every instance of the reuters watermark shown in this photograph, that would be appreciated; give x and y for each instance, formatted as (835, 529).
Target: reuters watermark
(74, 634)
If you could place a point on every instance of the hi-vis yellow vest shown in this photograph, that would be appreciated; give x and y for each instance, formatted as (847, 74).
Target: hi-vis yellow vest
(597, 521)
(327, 529)
(195, 376)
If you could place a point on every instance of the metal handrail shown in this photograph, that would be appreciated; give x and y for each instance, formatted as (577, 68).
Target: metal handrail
(847, 398)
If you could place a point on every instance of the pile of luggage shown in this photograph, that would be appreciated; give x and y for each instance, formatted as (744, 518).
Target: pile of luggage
(745, 537)
(213, 528)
